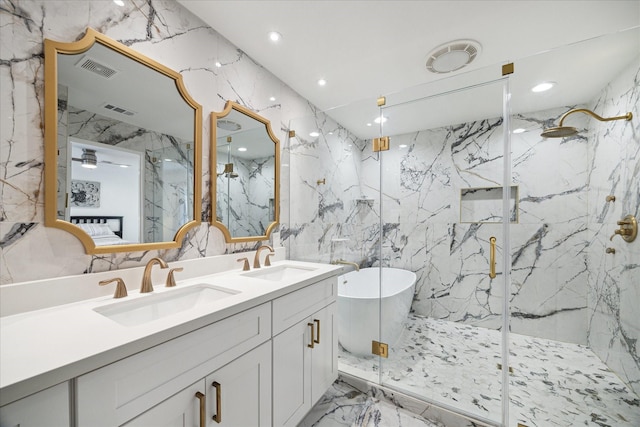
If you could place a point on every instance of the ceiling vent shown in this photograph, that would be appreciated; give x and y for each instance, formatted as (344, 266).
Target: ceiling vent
(228, 125)
(117, 109)
(452, 56)
(90, 64)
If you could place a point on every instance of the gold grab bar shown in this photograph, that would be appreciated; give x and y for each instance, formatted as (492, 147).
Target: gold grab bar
(317, 322)
(492, 258)
(218, 417)
(313, 339)
(203, 403)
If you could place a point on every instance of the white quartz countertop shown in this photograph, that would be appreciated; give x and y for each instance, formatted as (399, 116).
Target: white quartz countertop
(41, 348)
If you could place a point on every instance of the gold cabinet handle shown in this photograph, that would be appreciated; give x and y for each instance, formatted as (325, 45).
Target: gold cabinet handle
(317, 340)
(218, 417)
(203, 406)
(313, 339)
(492, 258)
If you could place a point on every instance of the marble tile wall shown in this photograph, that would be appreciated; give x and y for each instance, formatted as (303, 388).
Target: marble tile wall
(160, 29)
(614, 280)
(246, 206)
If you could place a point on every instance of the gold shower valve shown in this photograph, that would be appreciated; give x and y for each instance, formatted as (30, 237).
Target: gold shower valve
(628, 229)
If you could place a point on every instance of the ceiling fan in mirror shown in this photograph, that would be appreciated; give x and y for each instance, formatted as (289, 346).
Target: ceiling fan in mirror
(89, 160)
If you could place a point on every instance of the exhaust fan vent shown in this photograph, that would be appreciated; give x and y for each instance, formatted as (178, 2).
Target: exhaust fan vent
(90, 64)
(452, 56)
(228, 125)
(117, 109)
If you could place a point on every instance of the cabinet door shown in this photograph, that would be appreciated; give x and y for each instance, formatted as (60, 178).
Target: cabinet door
(324, 356)
(243, 390)
(48, 408)
(180, 410)
(291, 375)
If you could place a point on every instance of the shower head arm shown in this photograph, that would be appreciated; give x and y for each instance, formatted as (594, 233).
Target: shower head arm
(627, 116)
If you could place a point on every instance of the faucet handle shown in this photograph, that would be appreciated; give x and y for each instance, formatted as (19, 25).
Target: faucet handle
(171, 280)
(121, 288)
(245, 266)
(267, 260)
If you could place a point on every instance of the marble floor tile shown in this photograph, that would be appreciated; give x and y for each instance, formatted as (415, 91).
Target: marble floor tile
(552, 384)
(344, 405)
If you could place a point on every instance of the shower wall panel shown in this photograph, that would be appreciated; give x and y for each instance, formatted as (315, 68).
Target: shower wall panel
(614, 285)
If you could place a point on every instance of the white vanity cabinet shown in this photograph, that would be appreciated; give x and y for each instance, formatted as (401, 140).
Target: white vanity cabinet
(305, 347)
(238, 394)
(117, 393)
(47, 408)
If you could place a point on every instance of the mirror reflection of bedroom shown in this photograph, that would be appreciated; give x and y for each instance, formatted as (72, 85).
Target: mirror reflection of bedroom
(105, 192)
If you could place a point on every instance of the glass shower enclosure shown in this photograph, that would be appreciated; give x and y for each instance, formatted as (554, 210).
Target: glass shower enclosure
(521, 292)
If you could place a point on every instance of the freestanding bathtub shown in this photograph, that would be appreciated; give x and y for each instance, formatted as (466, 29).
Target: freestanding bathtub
(360, 310)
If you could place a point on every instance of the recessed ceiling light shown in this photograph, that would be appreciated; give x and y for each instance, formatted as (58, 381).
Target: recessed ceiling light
(242, 149)
(402, 146)
(368, 124)
(314, 134)
(275, 36)
(519, 130)
(273, 98)
(119, 2)
(380, 119)
(542, 87)
(322, 82)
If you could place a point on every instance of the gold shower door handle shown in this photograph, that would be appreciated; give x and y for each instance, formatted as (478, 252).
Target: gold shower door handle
(218, 417)
(313, 339)
(317, 340)
(492, 258)
(203, 404)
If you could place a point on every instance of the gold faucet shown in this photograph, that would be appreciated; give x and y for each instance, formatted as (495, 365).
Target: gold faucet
(256, 259)
(121, 288)
(341, 261)
(147, 286)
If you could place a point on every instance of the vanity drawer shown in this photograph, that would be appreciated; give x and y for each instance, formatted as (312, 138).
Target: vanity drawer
(118, 392)
(298, 305)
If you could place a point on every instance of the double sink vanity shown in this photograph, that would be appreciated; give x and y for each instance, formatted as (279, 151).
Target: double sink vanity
(237, 348)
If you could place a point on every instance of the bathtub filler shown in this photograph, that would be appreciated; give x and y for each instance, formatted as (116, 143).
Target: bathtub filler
(360, 294)
(341, 261)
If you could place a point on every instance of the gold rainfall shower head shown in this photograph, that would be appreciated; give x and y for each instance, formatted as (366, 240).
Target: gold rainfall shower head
(562, 131)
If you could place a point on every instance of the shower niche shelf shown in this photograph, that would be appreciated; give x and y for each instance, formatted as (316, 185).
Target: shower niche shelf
(484, 205)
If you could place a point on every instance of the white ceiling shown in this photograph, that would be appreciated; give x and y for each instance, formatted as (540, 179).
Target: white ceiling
(365, 49)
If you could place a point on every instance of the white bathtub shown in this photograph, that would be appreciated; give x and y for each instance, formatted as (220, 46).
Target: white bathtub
(359, 307)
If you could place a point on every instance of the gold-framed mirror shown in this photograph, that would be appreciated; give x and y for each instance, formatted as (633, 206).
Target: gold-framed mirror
(245, 190)
(123, 144)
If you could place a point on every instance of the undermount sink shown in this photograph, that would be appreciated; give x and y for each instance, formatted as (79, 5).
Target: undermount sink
(152, 307)
(277, 273)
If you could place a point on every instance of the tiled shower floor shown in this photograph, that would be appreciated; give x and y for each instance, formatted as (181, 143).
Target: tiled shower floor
(552, 384)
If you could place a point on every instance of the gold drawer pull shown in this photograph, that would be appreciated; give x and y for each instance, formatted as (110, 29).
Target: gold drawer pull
(492, 258)
(203, 405)
(218, 417)
(317, 322)
(313, 339)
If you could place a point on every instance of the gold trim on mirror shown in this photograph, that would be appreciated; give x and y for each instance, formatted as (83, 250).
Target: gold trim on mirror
(51, 50)
(215, 118)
